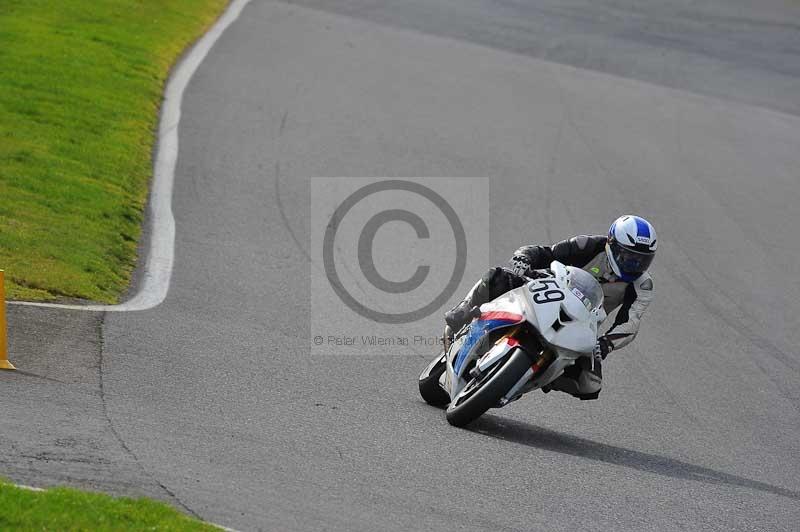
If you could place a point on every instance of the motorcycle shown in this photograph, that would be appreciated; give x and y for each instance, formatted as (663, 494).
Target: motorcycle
(520, 342)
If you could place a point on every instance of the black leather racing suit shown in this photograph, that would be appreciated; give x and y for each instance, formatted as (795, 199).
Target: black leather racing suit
(588, 253)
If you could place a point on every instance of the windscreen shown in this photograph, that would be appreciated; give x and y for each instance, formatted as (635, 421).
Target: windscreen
(585, 287)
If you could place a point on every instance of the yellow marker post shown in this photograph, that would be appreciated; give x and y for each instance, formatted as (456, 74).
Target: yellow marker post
(4, 363)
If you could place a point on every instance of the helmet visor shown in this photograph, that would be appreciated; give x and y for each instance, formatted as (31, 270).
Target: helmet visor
(629, 261)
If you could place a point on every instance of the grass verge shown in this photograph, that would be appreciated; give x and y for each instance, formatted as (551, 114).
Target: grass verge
(73, 510)
(80, 88)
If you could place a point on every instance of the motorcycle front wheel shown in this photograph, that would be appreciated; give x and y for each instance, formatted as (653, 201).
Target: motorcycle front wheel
(485, 392)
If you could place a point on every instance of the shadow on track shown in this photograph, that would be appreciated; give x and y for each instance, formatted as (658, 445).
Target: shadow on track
(540, 438)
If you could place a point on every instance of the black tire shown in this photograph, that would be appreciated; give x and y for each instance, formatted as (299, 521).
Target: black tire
(489, 390)
(429, 387)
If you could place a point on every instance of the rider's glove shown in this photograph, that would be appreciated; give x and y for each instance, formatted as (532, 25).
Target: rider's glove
(520, 266)
(603, 347)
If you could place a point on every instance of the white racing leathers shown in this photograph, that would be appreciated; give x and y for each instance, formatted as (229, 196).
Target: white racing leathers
(632, 299)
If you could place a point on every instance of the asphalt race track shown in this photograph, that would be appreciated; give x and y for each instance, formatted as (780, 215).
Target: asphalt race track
(577, 112)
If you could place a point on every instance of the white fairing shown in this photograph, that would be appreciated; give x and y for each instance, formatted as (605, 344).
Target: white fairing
(512, 302)
(566, 318)
(579, 334)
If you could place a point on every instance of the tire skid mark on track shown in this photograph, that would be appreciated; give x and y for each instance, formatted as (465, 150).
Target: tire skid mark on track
(757, 341)
(123, 443)
(282, 211)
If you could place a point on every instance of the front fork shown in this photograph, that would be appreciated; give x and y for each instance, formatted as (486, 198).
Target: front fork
(447, 338)
(544, 358)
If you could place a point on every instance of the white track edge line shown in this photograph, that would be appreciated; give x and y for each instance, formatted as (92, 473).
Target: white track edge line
(161, 256)
(29, 488)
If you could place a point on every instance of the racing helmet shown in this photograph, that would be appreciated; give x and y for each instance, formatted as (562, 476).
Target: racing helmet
(630, 247)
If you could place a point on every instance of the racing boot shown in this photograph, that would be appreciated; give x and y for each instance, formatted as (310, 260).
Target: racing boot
(482, 292)
(460, 315)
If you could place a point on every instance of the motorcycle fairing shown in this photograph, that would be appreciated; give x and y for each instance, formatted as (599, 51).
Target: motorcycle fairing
(486, 323)
(571, 334)
(496, 353)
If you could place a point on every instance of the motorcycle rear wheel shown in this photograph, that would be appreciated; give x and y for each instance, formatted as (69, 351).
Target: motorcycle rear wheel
(429, 387)
(478, 397)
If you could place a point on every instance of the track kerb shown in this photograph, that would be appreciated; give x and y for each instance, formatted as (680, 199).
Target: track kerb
(4, 363)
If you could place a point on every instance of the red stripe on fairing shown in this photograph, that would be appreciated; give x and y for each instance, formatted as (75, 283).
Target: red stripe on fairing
(499, 315)
(512, 342)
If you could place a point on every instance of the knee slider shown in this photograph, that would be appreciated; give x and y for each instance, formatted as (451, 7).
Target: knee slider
(589, 383)
(589, 396)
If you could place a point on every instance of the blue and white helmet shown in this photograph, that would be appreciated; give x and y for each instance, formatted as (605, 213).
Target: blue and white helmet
(631, 246)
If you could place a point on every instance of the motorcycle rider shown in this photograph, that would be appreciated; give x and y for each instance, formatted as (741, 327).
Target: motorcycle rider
(619, 261)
